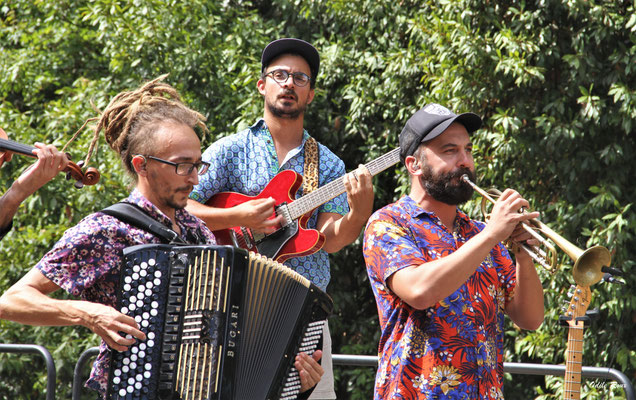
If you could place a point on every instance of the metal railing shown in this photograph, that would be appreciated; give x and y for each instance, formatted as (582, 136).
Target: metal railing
(515, 368)
(372, 361)
(48, 359)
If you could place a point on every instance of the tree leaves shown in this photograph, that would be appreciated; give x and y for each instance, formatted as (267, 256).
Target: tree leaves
(553, 80)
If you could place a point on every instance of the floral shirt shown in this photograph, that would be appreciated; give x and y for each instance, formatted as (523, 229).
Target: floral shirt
(453, 350)
(246, 162)
(85, 262)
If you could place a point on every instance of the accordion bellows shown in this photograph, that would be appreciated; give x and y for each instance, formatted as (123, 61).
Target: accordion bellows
(221, 323)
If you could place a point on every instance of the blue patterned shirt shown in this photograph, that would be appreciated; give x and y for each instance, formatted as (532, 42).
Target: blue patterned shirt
(246, 161)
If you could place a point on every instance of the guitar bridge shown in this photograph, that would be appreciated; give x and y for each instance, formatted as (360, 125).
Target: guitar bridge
(250, 241)
(283, 210)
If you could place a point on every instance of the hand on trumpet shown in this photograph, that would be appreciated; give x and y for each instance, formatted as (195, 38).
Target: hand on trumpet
(505, 221)
(519, 237)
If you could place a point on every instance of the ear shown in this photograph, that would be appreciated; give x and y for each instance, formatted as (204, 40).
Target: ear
(261, 86)
(413, 165)
(310, 97)
(139, 164)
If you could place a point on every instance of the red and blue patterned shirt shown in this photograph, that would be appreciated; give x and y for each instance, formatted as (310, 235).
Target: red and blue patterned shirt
(86, 261)
(453, 350)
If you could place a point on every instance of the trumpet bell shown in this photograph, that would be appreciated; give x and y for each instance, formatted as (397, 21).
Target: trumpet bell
(587, 267)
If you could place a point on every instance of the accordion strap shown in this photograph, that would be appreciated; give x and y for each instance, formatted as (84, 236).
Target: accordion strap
(135, 216)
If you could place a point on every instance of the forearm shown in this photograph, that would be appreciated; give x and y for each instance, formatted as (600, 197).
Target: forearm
(9, 203)
(341, 232)
(422, 286)
(28, 306)
(526, 308)
(215, 218)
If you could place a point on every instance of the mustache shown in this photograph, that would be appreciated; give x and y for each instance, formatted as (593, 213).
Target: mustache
(458, 174)
(289, 92)
(184, 188)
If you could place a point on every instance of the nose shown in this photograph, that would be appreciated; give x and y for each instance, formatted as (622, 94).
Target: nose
(289, 82)
(193, 177)
(465, 160)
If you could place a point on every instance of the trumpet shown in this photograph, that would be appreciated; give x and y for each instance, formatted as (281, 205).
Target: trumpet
(588, 263)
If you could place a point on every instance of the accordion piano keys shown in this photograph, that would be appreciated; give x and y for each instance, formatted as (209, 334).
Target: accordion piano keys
(221, 323)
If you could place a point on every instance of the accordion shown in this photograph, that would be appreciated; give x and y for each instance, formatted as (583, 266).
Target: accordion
(220, 323)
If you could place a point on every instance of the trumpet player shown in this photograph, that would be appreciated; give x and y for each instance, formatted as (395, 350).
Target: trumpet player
(443, 282)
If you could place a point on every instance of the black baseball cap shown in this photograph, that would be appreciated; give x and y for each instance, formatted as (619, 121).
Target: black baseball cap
(292, 46)
(430, 122)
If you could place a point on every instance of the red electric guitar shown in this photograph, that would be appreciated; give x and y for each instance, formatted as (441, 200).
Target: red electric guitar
(292, 239)
(574, 355)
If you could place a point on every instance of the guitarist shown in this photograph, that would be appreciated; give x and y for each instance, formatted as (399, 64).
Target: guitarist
(245, 162)
(50, 162)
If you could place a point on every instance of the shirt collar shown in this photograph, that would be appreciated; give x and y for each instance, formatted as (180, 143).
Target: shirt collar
(260, 129)
(415, 211)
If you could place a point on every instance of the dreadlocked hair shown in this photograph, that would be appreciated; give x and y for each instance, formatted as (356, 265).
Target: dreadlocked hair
(131, 119)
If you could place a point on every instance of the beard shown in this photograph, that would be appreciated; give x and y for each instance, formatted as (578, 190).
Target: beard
(281, 112)
(442, 188)
(174, 201)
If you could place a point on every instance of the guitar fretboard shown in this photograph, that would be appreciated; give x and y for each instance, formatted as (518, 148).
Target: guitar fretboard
(574, 362)
(336, 187)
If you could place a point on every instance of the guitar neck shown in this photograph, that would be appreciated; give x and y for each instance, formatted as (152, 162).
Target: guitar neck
(15, 147)
(336, 187)
(574, 362)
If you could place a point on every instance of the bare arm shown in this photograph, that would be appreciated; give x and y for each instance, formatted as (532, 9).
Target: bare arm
(526, 307)
(50, 162)
(252, 214)
(421, 286)
(340, 230)
(27, 302)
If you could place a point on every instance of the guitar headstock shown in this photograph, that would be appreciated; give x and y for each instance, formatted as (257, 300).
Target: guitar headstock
(581, 298)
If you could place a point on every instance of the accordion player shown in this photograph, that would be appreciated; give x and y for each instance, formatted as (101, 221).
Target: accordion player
(221, 323)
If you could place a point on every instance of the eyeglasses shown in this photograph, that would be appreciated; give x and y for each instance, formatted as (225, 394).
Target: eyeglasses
(185, 168)
(281, 76)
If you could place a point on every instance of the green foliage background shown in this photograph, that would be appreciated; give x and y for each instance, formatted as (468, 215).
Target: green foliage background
(555, 81)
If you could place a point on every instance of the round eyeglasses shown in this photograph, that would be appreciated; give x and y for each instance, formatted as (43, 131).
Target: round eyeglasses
(281, 76)
(185, 168)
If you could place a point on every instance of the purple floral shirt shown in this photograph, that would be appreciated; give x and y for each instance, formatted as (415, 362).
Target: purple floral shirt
(85, 262)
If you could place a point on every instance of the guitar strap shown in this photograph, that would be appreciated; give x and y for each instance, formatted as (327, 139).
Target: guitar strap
(310, 174)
